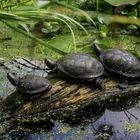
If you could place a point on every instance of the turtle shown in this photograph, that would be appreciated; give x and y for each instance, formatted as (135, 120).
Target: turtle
(82, 67)
(29, 84)
(120, 62)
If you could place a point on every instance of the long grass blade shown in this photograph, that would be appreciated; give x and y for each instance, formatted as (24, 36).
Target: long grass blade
(35, 38)
(76, 9)
(10, 16)
(73, 36)
(72, 21)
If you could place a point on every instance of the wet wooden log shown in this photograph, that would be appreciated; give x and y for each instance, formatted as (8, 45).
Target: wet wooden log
(72, 102)
(67, 99)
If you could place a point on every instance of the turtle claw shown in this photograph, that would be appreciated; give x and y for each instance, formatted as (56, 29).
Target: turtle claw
(106, 74)
(100, 83)
(123, 84)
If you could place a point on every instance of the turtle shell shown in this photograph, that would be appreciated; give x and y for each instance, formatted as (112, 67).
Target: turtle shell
(80, 66)
(32, 84)
(121, 62)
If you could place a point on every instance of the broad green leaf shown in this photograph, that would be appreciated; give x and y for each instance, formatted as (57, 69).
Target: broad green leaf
(104, 18)
(121, 2)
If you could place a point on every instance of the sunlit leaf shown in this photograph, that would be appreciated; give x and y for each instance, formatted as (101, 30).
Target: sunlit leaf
(121, 2)
(104, 18)
(10, 16)
(125, 20)
(72, 33)
(10, 4)
(24, 26)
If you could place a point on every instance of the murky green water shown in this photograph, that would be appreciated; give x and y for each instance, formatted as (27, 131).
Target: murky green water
(124, 125)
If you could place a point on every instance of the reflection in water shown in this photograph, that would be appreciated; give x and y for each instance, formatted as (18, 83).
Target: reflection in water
(119, 121)
(124, 124)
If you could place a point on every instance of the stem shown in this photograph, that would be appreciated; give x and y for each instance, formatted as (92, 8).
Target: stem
(35, 38)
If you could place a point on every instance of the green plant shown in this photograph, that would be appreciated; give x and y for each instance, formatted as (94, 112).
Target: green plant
(21, 15)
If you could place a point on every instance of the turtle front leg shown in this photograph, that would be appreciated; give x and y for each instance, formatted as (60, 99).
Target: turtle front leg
(105, 74)
(53, 71)
(123, 84)
(100, 83)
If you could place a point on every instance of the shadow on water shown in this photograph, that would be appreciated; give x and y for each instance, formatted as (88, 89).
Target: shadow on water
(118, 121)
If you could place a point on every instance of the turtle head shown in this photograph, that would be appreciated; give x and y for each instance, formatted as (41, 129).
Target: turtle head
(50, 63)
(97, 49)
(12, 78)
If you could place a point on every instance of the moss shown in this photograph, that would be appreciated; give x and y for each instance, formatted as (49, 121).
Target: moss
(132, 127)
(13, 102)
(130, 43)
(20, 46)
(39, 126)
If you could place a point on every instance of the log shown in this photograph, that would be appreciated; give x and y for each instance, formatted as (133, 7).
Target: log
(66, 99)
(72, 102)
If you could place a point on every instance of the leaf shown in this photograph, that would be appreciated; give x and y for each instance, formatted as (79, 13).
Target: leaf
(104, 18)
(24, 26)
(121, 2)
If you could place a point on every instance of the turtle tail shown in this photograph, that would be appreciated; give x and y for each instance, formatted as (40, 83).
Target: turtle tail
(11, 77)
(97, 49)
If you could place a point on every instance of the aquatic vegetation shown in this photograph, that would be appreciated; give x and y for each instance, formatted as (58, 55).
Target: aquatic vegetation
(41, 14)
(53, 29)
(21, 14)
(132, 127)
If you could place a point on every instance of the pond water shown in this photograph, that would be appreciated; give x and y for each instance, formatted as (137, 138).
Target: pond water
(118, 121)
(115, 123)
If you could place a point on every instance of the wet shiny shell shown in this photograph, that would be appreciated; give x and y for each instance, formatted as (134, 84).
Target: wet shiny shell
(80, 66)
(32, 84)
(121, 62)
